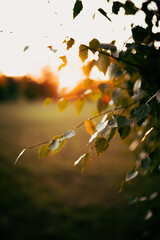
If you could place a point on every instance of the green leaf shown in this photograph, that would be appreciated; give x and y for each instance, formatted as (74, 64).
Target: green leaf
(83, 52)
(141, 112)
(54, 145)
(79, 104)
(103, 62)
(131, 175)
(61, 144)
(158, 95)
(112, 134)
(77, 8)
(70, 43)
(47, 101)
(68, 134)
(104, 13)
(123, 121)
(43, 151)
(101, 145)
(62, 104)
(124, 132)
(93, 44)
(90, 126)
(84, 162)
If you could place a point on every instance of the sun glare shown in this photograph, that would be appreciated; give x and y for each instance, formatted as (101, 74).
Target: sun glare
(28, 27)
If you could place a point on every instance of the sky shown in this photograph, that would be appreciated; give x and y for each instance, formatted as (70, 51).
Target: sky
(38, 24)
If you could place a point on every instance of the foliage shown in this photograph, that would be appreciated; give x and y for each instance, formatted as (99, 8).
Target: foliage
(127, 102)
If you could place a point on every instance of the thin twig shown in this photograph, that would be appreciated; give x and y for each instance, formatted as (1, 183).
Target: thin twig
(78, 126)
(151, 98)
(103, 113)
(110, 55)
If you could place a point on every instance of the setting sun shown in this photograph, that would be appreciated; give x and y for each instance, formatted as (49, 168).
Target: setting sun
(28, 27)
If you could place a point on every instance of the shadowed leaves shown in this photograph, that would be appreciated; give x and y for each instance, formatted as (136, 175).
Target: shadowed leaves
(77, 8)
(101, 144)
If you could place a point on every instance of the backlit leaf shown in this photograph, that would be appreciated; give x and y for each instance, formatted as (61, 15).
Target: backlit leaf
(100, 105)
(83, 52)
(84, 162)
(64, 59)
(79, 104)
(43, 151)
(101, 145)
(90, 126)
(123, 121)
(131, 175)
(68, 134)
(47, 101)
(106, 99)
(62, 104)
(124, 132)
(103, 62)
(93, 44)
(141, 112)
(70, 43)
(116, 94)
(77, 8)
(103, 87)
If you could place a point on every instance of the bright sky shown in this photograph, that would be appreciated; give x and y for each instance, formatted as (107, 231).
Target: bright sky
(42, 23)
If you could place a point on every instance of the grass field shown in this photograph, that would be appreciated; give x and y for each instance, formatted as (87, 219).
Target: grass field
(48, 198)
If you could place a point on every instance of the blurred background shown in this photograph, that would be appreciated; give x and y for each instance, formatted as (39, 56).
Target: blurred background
(48, 198)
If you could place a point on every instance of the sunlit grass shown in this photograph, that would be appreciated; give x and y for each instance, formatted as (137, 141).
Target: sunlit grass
(49, 196)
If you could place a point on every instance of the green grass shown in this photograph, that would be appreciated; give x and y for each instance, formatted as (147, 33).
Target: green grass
(48, 198)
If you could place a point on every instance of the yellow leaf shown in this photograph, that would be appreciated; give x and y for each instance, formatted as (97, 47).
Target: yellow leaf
(62, 143)
(62, 104)
(47, 101)
(64, 59)
(90, 126)
(95, 96)
(79, 104)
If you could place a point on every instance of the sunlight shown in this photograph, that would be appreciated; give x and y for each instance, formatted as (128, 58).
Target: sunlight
(39, 24)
